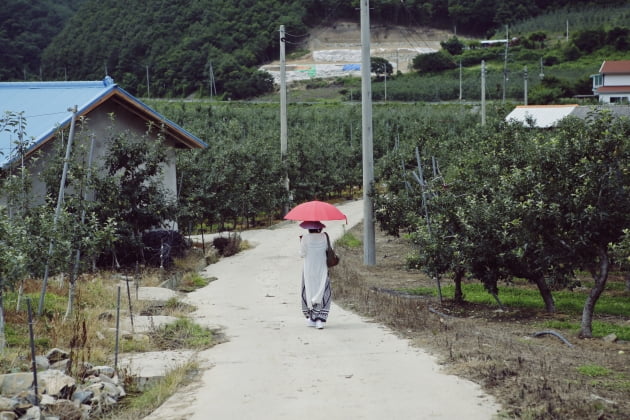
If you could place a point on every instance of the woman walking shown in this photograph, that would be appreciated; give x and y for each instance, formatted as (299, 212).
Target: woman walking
(316, 293)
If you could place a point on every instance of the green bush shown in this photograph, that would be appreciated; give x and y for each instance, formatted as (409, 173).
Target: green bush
(453, 45)
(433, 62)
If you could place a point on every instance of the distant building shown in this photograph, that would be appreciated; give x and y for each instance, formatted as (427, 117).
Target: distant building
(547, 116)
(612, 83)
(107, 110)
(498, 42)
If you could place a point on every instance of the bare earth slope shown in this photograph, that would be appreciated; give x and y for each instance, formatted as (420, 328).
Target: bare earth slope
(336, 50)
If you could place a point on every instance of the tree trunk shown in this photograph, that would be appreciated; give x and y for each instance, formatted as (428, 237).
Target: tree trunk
(600, 276)
(627, 276)
(459, 295)
(3, 341)
(545, 293)
(72, 287)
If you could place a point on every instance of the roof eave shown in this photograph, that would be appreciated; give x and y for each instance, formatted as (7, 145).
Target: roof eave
(132, 104)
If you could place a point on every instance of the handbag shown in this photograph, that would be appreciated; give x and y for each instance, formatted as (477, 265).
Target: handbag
(332, 259)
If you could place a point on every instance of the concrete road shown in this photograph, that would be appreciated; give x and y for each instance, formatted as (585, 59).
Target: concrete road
(275, 367)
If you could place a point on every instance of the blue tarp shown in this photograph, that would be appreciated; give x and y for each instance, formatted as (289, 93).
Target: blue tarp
(352, 67)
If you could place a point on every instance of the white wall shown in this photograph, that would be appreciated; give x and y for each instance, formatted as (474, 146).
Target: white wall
(617, 80)
(100, 125)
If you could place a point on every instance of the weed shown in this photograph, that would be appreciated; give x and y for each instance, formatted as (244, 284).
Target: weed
(593, 370)
(348, 240)
(138, 406)
(228, 246)
(192, 281)
(183, 333)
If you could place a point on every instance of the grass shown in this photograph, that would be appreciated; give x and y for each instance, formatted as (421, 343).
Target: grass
(145, 403)
(89, 333)
(529, 297)
(567, 302)
(348, 240)
(183, 333)
(192, 281)
(594, 370)
(600, 328)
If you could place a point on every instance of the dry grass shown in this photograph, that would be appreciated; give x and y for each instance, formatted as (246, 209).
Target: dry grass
(533, 378)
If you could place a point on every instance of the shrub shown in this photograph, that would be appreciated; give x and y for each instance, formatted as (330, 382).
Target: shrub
(227, 246)
(590, 40)
(433, 62)
(453, 45)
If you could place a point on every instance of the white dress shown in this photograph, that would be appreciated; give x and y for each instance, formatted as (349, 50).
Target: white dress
(315, 281)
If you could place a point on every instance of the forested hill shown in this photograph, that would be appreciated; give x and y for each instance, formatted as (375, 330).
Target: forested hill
(26, 28)
(181, 45)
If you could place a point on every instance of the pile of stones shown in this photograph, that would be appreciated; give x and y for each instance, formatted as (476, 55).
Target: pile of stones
(59, 396)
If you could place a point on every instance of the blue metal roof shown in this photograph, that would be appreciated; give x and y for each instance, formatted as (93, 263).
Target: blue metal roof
(46, 107)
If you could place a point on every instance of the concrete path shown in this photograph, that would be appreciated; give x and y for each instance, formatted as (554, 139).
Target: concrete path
(275, 367)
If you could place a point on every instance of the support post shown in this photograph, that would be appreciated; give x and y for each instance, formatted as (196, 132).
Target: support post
(62, 186)
(525, 80)
(369, 257)
(483, 92)
(283, 113)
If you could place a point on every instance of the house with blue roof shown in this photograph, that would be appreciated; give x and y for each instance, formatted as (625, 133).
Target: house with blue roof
(47, 109)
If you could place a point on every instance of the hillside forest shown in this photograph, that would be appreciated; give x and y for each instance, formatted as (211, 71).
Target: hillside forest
(174, 49)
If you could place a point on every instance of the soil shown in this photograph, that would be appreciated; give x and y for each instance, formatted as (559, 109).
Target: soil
(329, 47)
(532, 377)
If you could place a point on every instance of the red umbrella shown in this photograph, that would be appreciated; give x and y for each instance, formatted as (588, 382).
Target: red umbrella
(315, 210)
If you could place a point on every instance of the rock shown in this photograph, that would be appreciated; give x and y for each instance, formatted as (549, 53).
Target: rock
(106, 316)
(104, 370)
(66, 410)
(61, 365)
(14, 383)
(24, 400)
(46, 400)
(42, 363)
(56, 383)
(100, 335)
(106, 389)
(105, 378)
(82, 397)
(8, 415)
(610, 338)
(6, 404)
(142, 338)
(55, 355)
(33, 413)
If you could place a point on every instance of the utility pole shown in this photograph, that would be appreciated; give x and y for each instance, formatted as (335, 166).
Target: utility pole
(283, 111)
(213, 86)
(385, 82)
(369, 240)
(148, 84)
(483, 92)
(525, 79)
(505, 56)
(460, 80)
